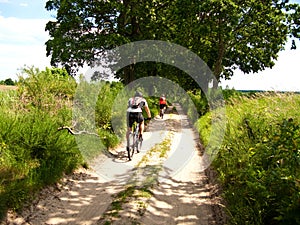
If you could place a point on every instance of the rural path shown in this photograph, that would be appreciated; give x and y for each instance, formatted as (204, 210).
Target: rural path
(150, 189)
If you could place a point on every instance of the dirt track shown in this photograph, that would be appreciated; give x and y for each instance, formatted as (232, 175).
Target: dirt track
(181, 192)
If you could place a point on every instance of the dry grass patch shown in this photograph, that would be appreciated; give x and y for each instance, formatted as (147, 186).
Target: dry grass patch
(7, 87)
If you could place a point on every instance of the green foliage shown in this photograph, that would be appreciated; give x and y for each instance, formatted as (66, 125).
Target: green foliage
(226, 35)
(109, 139)
(46, 90)
(258, 162)
(229, 94)
(199, 100)
(32, 151)
(153, 103)
(8, 81)
(104, 106)
(32, 154)
(9, 100)
(94, 112)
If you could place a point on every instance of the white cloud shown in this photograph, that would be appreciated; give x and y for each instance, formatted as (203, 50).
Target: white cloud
(22, 41)
(22, 31)
(284, 76)
(4, 1)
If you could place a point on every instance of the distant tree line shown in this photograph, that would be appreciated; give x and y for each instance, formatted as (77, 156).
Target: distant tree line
(8, 81)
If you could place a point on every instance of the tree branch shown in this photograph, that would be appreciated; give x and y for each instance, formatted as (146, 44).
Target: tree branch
(71, 131)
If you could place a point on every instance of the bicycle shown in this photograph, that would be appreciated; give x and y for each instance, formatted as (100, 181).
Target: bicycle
(133, 141)
(162, 112)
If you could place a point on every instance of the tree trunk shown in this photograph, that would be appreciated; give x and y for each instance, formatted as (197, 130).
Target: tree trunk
(217, 67)
(129, 74)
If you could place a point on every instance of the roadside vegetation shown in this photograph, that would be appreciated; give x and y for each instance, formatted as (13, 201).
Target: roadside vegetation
(259, 160)
(34, 153)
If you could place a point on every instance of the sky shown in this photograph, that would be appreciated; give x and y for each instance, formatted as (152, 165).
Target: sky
(23, 37)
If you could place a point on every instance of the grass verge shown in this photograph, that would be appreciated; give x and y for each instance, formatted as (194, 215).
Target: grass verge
(258, 162)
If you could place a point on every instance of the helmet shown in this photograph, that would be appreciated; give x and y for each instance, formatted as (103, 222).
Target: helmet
(138, 94)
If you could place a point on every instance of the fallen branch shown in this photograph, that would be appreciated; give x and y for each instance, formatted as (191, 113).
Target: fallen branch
(71, 131)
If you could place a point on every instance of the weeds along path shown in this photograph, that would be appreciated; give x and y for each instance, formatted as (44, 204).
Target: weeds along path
(163, 184)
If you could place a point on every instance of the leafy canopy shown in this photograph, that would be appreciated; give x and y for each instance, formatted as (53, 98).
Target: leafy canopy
(226, 34)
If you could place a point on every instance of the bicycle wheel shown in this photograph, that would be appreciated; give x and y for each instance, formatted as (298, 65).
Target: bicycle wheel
(162, 112)
(139, 144)
(135, 139)
(130, 146)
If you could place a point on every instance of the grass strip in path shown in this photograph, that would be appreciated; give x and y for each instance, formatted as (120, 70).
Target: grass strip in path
(131, 203)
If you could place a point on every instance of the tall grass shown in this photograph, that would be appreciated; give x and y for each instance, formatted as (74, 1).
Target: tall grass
(32, 151)
(259, 160)
(33, 154)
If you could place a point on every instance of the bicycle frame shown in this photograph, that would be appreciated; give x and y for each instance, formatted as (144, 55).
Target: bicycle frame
(136, 129)
(133, 140)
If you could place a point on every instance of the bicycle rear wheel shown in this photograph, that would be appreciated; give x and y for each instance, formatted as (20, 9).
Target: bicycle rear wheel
(130, 146)
(139, 144)
(137, 141)
(162, 112)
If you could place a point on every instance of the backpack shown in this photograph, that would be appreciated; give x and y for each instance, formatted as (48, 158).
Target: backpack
(135, 102)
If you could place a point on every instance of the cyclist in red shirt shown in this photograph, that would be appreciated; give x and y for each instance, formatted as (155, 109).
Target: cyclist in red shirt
(162, 105)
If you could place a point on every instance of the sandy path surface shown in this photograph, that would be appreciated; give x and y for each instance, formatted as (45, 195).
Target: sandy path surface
(180, 191)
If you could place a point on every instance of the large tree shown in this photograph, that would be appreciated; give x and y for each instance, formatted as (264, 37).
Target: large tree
(226, 34)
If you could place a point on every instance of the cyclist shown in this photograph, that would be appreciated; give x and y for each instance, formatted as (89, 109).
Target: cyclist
(134, 113)
(162, 104)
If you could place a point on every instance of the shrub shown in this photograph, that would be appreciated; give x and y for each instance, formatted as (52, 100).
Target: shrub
(46, 90)
(32, 154)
